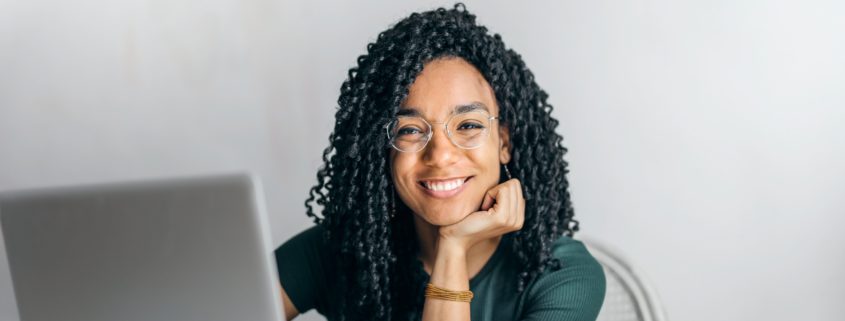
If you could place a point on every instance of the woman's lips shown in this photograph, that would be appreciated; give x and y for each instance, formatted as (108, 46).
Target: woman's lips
(444, 188)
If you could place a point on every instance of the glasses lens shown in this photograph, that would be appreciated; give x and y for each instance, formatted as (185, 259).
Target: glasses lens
(408, 133)
(469, 129)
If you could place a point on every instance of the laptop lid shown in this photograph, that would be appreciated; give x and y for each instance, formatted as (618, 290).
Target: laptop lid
(176, 249)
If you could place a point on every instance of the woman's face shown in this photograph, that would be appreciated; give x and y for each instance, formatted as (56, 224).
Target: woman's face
(443, 183)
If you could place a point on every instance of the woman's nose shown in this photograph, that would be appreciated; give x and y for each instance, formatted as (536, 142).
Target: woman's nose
(440, 152)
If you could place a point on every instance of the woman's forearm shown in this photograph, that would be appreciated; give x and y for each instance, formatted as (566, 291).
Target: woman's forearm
(449, 272)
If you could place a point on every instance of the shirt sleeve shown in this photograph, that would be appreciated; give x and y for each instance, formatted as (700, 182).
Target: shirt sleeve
(573, 293)
(302, 268)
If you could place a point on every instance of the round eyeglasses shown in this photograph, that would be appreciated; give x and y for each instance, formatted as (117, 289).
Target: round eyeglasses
(467, 130)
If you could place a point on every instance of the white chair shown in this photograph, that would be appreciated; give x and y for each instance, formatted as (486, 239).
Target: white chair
(628, 296)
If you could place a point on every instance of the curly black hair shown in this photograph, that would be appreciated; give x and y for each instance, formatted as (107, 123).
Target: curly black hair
(379, 275)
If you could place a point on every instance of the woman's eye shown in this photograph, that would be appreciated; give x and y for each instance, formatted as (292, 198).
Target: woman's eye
(408, 131)
(470, 126)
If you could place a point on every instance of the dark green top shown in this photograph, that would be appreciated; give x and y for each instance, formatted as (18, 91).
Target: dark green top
(575, 292)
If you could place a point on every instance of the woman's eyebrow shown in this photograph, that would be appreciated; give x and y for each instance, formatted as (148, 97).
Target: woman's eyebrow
(459, 109)
(408, 111)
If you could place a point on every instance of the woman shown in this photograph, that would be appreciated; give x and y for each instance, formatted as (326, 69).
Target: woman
(443, 190)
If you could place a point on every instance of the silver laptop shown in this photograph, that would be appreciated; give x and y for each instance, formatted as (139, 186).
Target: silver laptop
(178, 249)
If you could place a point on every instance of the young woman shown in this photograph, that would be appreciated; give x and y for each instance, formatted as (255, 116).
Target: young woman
(443, 192)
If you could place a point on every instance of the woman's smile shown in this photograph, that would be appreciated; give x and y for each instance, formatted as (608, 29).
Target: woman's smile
(444, 188)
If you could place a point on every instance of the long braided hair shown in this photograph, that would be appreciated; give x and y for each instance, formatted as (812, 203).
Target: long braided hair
(379, 275)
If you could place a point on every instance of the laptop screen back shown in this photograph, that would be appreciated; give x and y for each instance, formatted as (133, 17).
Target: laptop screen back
(180, 249)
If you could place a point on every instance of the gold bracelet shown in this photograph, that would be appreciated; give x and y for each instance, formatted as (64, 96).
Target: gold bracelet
(434, 292)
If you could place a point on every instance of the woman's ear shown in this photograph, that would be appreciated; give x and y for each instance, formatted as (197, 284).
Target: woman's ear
(504, 144)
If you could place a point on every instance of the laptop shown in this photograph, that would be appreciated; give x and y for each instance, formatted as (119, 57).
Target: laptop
(175, 249)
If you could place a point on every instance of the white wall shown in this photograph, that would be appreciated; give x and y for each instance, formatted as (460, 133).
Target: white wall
(706, 137)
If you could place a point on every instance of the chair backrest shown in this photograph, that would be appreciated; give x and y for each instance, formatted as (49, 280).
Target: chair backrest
(628, 296)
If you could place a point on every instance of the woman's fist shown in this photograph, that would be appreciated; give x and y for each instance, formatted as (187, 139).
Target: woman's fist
(502, 211)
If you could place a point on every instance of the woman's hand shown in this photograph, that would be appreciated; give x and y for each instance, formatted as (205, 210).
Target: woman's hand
(502, 211)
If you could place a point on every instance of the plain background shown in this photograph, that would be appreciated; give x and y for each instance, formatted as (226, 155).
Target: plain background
(706, 138)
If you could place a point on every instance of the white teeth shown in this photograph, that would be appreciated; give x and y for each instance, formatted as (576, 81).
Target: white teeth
(444, 186)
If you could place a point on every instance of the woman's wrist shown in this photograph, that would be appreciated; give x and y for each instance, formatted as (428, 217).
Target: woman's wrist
(451, 246)
(449, 274)
(450, 266)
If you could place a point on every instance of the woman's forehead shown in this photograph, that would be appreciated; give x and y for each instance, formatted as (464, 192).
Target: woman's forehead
(447, 86)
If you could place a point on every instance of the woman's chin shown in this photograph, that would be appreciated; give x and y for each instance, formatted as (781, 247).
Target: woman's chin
(445, 218)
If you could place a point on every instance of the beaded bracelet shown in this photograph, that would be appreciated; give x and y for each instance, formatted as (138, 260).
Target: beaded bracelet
(434, 292)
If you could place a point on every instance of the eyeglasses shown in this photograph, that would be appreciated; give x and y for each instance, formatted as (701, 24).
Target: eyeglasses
(467, 130)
